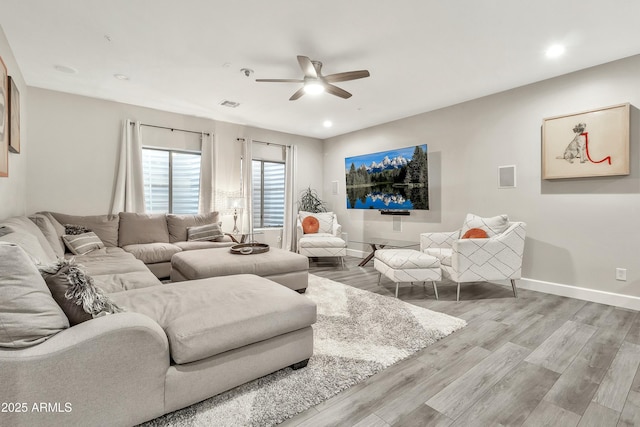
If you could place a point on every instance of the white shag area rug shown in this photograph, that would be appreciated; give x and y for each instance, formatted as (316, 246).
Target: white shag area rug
(358, 333)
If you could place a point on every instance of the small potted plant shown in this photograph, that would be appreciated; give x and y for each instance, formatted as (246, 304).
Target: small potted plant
(310, 201)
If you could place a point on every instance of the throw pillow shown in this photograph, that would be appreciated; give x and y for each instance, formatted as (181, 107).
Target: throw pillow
(74, 230)
(75, 292)
(209, 232)
(493, 226)
(178, 224)
(324, 218)
(475, 233)
(310, 225)
(82, 244)
(28, 313)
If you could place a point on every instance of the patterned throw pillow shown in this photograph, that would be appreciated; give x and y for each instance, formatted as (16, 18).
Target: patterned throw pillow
(209, 232)
(75, 292)
(324, 218)
(82, 244)
(493, 226)
(74, 230)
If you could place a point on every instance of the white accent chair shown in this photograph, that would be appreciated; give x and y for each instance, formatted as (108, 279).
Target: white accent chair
(498, 257)
(327, 242)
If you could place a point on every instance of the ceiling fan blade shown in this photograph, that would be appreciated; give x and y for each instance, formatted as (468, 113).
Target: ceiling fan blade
(307, 67)
(335, 90)
(346, 76)
(297, 95)
(281, 80)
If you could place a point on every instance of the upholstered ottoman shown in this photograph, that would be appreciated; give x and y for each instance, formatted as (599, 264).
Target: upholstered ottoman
(407, 265)
(284, 267)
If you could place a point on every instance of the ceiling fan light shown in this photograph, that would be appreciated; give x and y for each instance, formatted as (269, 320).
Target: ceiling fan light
(313, 88)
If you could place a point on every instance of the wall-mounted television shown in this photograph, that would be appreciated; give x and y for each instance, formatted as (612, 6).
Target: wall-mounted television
(389, 180)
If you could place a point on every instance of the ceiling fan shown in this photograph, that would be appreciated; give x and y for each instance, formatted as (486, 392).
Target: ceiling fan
(315, 82)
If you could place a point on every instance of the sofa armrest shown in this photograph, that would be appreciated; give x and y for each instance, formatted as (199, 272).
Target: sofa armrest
(106, 371)
(337, 228)
(441, 240)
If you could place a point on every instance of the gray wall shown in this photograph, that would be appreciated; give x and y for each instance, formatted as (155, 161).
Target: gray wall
(13, 189)
(579, 230)
(75, 140)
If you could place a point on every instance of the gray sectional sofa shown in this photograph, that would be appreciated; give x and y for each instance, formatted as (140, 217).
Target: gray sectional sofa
(175, 344)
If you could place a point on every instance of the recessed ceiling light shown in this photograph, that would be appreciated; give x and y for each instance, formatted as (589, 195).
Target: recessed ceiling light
(555, 51)
(121, 77)
(65, 69)
(327, 123)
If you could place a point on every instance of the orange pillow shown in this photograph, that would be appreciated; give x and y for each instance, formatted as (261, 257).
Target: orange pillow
(310, 225)
(475, 233)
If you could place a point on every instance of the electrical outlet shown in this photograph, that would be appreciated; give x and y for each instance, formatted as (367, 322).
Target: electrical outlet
(621, 274)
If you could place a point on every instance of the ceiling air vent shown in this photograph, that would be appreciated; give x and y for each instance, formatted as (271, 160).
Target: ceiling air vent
(229, 104)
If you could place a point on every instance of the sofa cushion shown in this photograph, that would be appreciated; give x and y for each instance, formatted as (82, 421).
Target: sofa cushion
(28, 312)
(493, 226)
(50, 233)
(105, 226)
(22, 224)
(325, 220)
(136, 228)
(178, 224)
(204, 233)
(30, 244)
(82, 244)
(206, 317)
(150, 253)
(443, 254)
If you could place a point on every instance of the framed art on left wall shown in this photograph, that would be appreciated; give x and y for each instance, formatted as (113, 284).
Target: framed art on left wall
(4, 119)
(14, 116)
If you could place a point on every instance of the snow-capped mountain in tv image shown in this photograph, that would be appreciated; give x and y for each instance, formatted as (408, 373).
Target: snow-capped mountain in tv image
(387, 163)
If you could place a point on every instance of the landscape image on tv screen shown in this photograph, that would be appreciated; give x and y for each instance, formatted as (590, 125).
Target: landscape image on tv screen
(388, 180)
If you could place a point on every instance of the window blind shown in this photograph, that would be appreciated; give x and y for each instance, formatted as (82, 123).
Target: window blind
(268, 194)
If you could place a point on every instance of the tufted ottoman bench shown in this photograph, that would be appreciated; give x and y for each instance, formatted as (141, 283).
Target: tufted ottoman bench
(284, 267)
(407, 265)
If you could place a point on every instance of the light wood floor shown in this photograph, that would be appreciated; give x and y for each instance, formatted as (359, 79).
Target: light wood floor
(539, 360)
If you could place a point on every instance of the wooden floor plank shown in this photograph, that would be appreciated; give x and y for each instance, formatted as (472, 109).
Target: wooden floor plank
(547, 414)
(559, 350)
(592, 313)
(631, 413)
(391, 410)
(599, 416)
(461, 394)
(512, 399)
(372, 421)
(535, 335)
(616, 384)
(423, 416)
(634, 332)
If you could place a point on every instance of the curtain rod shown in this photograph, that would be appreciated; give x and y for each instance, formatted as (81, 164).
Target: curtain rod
(172, 129)
(263, 142)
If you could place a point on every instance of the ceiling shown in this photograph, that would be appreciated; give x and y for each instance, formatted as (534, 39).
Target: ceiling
(185, 56)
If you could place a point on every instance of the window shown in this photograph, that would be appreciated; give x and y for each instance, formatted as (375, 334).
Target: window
(171, 181)
(268, 194)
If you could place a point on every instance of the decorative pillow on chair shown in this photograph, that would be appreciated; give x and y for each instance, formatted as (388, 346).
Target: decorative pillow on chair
(75, 292)
(493, 226)
(310, 225)
(82, 244)
(209, 232)
(475, 233)
(325, 220)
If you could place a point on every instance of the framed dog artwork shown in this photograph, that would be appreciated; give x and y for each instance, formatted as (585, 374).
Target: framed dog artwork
(587, 144)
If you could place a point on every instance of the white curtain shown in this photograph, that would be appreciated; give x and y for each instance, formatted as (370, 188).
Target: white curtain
(129, 191)
(206, 198)
(289, 241)
(247, 185)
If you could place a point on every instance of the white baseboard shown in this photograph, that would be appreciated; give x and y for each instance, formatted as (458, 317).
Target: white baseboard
(602, 297)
